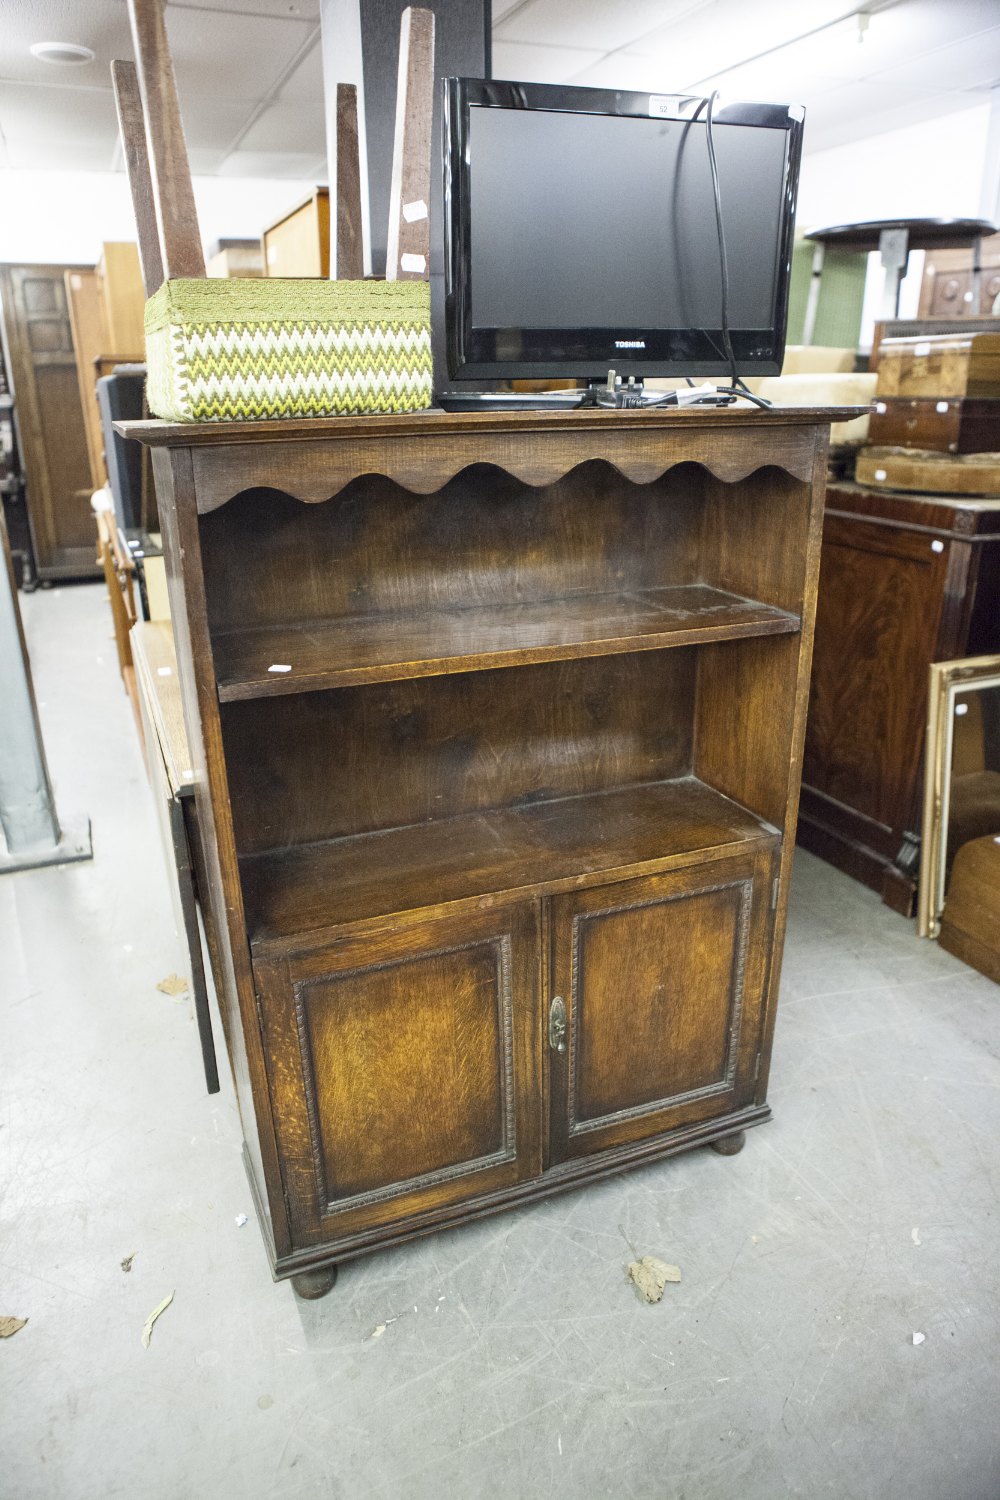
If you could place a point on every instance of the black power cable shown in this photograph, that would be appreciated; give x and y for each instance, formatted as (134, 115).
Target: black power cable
(736, 386)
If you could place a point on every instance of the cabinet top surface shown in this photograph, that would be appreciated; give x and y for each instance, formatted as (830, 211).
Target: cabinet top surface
(843, 494)
(444, 424)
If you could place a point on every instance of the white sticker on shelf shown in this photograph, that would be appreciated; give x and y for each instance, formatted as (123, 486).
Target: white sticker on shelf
(164, 672)
(960, 709)
(415, 211)
(410, 262)
(879, 473)
(937, 546)
(920, 350)
(279, 666)
(941, 406)
(881, 408)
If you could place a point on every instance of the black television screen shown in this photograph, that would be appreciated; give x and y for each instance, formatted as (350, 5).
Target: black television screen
(581, 232)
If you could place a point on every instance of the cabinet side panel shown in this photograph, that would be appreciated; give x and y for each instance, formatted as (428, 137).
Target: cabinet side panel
(223, 898)
(746, 698)
(754, 537)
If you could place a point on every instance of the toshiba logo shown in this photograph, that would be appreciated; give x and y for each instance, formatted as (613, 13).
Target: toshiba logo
(630, 343)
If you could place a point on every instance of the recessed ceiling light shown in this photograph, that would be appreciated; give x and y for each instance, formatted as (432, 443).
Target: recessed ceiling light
(62, 54)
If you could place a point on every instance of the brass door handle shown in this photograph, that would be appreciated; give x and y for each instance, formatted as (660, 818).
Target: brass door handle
(557, 1024)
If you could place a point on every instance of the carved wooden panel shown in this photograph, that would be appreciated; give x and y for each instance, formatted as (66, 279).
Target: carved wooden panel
(400, 1065)
(662, 980)
(421, 453)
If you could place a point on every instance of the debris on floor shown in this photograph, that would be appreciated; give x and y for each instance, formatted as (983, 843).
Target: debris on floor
(147, 1327)
(918, 1338)
(379, 1329)
(650, 1276)
(127, 1262)
(10, 1326)
(172, 985)
(915, 1236)
(241, 1219)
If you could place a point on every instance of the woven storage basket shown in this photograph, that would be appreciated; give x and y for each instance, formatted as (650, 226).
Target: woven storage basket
(236, 350)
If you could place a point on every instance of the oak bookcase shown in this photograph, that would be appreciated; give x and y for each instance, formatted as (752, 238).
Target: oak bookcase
(497, 724)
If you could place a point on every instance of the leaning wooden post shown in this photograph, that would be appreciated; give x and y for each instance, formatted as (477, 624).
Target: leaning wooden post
(132, 124)
(349, 264)
(409, 244)
(177, 218)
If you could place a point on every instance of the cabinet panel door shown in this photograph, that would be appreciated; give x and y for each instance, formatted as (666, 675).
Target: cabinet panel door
(404, 1068)
(877, 620)
(663, 983)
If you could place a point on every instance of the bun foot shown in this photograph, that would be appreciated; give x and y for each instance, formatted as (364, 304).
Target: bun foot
(730, 1145)
(311, 1285)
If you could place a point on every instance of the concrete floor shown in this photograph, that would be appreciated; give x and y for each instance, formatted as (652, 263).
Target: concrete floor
(519, 1363)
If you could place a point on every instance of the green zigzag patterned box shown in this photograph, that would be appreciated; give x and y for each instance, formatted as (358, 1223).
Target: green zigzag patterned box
(237, 350)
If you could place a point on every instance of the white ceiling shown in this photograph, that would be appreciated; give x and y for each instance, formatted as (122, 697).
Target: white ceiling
(250, 78)
(917, 58)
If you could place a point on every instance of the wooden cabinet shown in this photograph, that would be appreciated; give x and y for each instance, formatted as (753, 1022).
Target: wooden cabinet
(496, 722)
(298, 244)
(906, 580)
(50, 422)
(123, 299)
(106, 307)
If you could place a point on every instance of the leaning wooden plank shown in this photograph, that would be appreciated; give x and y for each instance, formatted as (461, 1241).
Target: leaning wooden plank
(180, 240)
(132, 125)
(350, 255)
(409, 243)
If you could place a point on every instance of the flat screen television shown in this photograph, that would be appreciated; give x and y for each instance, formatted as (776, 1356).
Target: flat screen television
(581, 232)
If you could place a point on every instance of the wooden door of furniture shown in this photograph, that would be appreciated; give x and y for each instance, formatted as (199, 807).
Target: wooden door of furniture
(657, 1002)
(905, 580)
(51, 431)
(405, 1068)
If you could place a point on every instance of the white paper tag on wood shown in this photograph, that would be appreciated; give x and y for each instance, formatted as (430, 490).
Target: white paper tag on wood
(411, 262)
(415, 211)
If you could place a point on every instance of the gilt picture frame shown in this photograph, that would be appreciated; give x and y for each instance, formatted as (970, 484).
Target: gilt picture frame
(948, 681)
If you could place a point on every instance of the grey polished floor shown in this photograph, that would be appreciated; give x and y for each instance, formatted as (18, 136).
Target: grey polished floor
(515, 1360)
